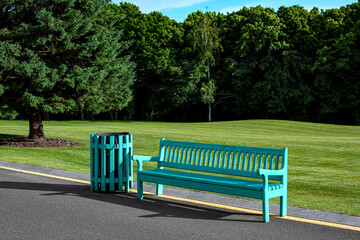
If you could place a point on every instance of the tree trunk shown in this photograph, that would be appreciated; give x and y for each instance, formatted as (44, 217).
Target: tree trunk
(210, 112)
(111, 115)
(82, 114)
(36, 129)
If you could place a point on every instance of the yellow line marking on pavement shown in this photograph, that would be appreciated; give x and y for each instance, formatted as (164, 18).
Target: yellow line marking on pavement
(328, 224)
(216, 205)
(46, 175)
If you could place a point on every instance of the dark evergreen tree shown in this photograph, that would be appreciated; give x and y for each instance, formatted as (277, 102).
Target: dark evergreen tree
(61, 55)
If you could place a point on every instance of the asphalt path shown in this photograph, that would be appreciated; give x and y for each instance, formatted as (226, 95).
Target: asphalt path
(37, 207)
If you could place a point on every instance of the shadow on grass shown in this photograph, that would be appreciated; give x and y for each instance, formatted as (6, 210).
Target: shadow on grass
(158, 208)
(10, 136)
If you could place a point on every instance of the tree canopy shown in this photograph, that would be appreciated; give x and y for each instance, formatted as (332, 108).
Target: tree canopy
(77, 56)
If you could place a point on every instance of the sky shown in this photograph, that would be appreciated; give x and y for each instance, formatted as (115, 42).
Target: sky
(180, 9)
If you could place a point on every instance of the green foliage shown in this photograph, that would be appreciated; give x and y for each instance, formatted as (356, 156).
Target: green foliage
(58, 56)
(293, 63)
(256, 59)
(208, 92)
(167, 77)
(7, 112)
(336, 67)
(205, 37)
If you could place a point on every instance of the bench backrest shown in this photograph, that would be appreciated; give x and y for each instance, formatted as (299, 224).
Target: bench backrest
(222, 159)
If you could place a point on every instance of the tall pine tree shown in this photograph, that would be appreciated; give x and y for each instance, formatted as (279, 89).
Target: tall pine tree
(61, 55)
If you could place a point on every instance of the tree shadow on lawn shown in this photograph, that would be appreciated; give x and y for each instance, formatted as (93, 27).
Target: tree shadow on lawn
(10, 136)
(151, 203)
(21, 141)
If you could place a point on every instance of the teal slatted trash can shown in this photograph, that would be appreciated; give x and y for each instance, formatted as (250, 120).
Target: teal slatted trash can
(110, 161)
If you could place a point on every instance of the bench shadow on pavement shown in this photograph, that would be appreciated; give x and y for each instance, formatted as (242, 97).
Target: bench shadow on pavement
(153, 204)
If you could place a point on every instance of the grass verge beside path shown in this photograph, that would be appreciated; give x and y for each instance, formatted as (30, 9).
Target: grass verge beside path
(324, 160)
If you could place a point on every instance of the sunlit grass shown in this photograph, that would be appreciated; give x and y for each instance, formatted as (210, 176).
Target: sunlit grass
(324, 160)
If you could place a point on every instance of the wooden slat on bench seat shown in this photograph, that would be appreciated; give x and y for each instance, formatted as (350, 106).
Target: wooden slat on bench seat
(214, 180)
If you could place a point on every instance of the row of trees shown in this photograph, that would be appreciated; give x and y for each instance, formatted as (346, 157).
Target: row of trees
(289, 64)
(96, 59)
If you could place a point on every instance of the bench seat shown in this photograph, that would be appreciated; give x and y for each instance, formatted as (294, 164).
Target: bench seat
(193, 178)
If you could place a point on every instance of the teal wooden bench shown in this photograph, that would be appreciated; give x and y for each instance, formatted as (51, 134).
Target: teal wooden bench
(198, 166)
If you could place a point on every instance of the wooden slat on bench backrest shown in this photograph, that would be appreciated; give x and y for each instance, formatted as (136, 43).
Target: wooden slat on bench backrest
(235, 160)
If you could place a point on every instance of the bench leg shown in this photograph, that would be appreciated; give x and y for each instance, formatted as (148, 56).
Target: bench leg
(159, 189)
(283, 206)
(140, 190)
(265, 203)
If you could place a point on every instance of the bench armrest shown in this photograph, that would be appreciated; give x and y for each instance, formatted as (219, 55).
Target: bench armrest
(267, 172)
(141, 159)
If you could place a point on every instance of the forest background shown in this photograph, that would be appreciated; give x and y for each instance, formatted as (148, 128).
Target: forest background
(288, 63)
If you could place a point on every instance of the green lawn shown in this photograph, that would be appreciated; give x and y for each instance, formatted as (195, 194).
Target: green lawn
(324, 160)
